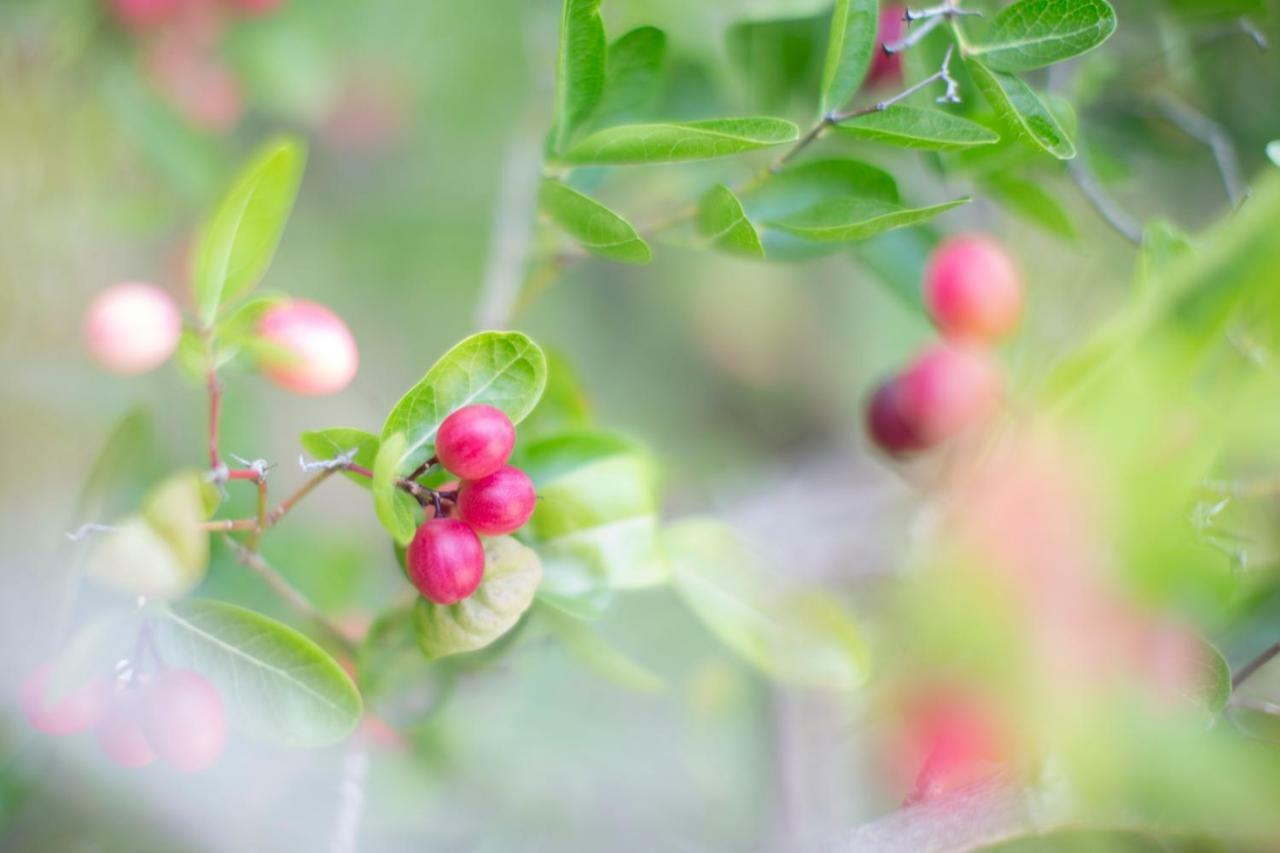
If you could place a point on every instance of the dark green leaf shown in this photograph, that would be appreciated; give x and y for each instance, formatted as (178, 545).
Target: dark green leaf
(633, 76)
(844, 219)
(1035, 33)
(334, 442)
(912, 127)
(580, 68)
(595, 227)
(802, 187)
(277, 684)
(675, 142)
(854, 24)
(1022, 111)
(722, 220)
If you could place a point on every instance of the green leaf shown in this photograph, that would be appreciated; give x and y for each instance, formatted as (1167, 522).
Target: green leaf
(239, 241)
(675, 142)
(397, 510)
(1216, 680)
(502, 369)
(511, 577)
(844, 219)
(854, 24)
(633, 76)
(779, 60)
(398, 684)
(722, 220)
(1273, 152)
(801, 637)
(802, 187)
(128, 464)
(580, 68)
(595, 227)
(1163, 243)
(564, 404)
(175, 510)
(1030, 199)
(1022, 111)
(587, 646)
(912, 127)
(335, 441)
(1035, 33)
(277, 683)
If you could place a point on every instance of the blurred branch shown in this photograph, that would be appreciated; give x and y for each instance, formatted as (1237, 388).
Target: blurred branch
(514, 215)
(1107, 207)
(351, 796)
(1200, 127)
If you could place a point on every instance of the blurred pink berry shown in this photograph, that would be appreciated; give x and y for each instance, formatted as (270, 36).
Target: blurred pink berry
(886, 425)
(184, 720)
(78, 710)
(121, 735)
(132, 327)
(314, 352)
(947, 390)
(973, 289)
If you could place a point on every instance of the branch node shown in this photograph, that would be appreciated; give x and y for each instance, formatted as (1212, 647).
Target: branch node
(339, 462)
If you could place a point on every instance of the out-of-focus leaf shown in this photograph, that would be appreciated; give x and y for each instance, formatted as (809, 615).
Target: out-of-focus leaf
(502, 369)
(1031, 200)
(780, 60)
(912, 127)
(580, 68)
(92, 652)
(675, 142)
(1022, 110)
(397, 510)
(800, 188)
(335, 441)
(633, 76)
(1163, 243)
(587, 646)
(512, 573)
(277, 684)
(564, 405)
(1035, 33)
(898, 259)
(127, 465)
(722, 220)
(801, 637)
(398, 683)
(175, 510)
(1273, 152)
(239, 241)
(1217, 681)
(595, 227)
(854, 24)
(845, 219)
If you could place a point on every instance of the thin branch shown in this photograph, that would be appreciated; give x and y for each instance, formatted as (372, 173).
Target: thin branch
(1106, 207)
(1245, 672)
(215, 416)
(1200, 127)
(511, 231)
(290, 502)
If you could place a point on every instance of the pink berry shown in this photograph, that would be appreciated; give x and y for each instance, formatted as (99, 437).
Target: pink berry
(184, 720)
(973, 289)
(475, 441)
(887, 426)
(445, 560)
(132, 327)
(887, 67)
(76, 711)
(121, 735)
(499, 503)
(144, 14)
(947, 390)
(313, 350)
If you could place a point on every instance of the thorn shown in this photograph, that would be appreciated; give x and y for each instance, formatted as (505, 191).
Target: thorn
(342, 460)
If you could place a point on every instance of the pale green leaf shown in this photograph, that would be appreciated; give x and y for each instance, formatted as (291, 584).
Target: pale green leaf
(331, 443)
(580, 68)
(799, 188)
(912, 127)
(1022, 111)
(395, 509)
(675, 142)
(595, 227)
(633, 76)
(723, 222)
(854, 24)
(845, 219)
(1030, 199)
(1035, 33)
(587, 646)
(1273, 152)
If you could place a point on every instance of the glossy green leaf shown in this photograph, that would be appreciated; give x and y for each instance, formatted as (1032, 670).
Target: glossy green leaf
(240, 239)
(854, 24)
(511, 577)
(589, 647)
(675, 142)
(397, 510)
(333, 442)
(505, 370)
(580, 68)
(844, 219)
(724, 223)
(633, 76)
(912, 127)
(595, 227)
(799, 188)
(1022, 111)
(1035, 33)
(795, 636)
(1029, 199)
(277, 684)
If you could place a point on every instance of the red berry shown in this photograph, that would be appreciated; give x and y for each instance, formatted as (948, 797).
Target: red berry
(945, 391)
(475, 441)
(499, 503)
(76, 711)
(314, 350)
(184, 720)
(144, 14)
(445, 560)
(973, 289)
(887, 67)
(886, 424)
(121, 735)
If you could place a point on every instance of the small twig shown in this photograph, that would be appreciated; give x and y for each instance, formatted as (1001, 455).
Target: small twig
(1200, 127)
(1105, 206)
(1243, 674)
(511, 231)
(917, 35)
(215, 416)
(224, 525)
(290, 502)
(944, 73)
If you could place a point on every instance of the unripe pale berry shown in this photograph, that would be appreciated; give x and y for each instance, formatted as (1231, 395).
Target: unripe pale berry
(132, 327)
(475, 441)
(945, 391)
(887, 67)
(121, 735)
(313, 350)
(499, 503)
(76, 711)
(144, 14)
(886, 425)
(973, 289)
(184, 720)
(445, 560)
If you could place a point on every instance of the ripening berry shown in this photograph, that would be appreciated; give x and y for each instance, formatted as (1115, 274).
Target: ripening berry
(76, 711)
(887, 67)
(973, 289)
(945, 391)
(184, 720)
(312, 348)
(499, 503)
(445, 560)
(132, 327)
(963, 741)
(475, 441)
(141, 15)
(121, 735)
(886, 425)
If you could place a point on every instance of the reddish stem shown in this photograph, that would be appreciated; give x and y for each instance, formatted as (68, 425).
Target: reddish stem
(215, 413)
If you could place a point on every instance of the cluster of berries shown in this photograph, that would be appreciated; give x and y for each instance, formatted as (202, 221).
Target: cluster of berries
(175, 715)
(973, 293)
(445, 560)
(134, 327)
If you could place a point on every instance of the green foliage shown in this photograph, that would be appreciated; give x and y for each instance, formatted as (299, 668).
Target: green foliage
(595, 227)
(676, 142)
(853, 40)
(331, 443)
(397, 510)
(912, 127)
(723, 222)
(845, 219)
(580, 68)
(633, 76)
(1023, 112)
(277, 684)
(1030, 199)
(593, 651)
(1034, 33)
